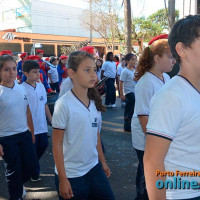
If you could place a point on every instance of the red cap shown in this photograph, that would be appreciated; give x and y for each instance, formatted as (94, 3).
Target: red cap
(164, 36)
(6, 52)
(63, 57)
(23, 55)
(39, 51)
(33, 57)
(47, 59)
(88, 49)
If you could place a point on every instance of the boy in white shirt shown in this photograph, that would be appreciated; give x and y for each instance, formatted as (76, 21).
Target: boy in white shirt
(39, 109)
(172, 142)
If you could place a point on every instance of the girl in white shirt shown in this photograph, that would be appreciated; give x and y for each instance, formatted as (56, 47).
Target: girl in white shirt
(76, 141)
(154, 61)
(16, 141)
(109, 70)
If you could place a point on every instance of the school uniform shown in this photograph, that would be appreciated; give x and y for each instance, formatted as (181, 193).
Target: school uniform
(66, 86)
(127, 77)
(109, 69)
(145, 88)
(176, 108)
(19, 155)
(54, 76)
(81, 125)
(37, 101)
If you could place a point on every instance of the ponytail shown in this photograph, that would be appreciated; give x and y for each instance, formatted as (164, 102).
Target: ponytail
(93, 95)
(145, 63)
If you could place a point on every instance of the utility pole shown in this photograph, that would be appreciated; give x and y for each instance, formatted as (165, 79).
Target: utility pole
(90, 22)
(171, 13)
(128, 22)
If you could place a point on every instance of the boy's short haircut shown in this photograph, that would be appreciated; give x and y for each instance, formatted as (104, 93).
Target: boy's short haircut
(28, 65)
(186, 30)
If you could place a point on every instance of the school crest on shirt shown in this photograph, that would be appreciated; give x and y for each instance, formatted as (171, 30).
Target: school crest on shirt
(25, 97)
(41, 98)
(94, 124)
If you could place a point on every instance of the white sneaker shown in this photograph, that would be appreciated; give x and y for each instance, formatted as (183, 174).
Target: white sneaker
(24, 192)
(108, 106)
(113, 106)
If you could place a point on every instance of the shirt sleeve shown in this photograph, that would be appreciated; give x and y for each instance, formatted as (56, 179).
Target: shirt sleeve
(60, 116)
(123, 75)
(143, 97)
(165, 115)
(103, 66)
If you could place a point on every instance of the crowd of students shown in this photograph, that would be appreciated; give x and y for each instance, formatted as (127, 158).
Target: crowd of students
(162, 114)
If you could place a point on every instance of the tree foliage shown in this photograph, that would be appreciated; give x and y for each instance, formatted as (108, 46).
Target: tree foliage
(146, 28)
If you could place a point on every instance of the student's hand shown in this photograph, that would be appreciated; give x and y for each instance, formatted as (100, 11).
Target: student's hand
(122, 97)
(106, 169)
(65, 189)
(1, 150)
(33, 139)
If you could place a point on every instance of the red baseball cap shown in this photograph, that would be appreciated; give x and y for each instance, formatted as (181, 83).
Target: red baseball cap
(63, 57)
(47, 59)
(6, 52)
(39, 51)
(164, 36)
(88, 49)
(33, 57)
(23, 55)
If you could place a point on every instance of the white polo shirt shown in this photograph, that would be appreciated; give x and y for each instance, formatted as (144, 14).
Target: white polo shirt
(54, 74)
(81, 125)
(119, 69)
(37, 100)
(175, 115)
(109, 69)
(127, 77)
(145, 88)
(13, 107)
(66, 86)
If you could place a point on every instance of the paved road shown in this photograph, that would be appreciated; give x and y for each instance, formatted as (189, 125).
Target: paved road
(120, 156)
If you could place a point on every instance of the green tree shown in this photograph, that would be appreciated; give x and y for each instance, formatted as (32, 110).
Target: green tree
(147, 28)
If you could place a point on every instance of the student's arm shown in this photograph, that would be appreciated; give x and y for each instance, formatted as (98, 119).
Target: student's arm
(122, 97)
(30, 123)
(65, 189)
(155, 151)
(102, 71)
(102, 158)
(1, 150)
(47, 111)
(143, 121)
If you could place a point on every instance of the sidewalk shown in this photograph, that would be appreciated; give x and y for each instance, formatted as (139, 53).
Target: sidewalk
(120, 156)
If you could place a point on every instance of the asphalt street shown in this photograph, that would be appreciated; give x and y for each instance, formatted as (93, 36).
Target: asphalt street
(120, 157)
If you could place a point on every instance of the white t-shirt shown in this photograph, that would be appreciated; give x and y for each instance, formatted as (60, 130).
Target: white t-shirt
(13, 108)
(119, 69)
(81, 125)
(37, 100)
(145, 88)
(54, 74)
(66, 86)
(99, 74)
(127, 77)
(109, 69)
(175, 115)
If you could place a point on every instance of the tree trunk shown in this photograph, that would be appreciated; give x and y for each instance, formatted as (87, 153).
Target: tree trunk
(128, 21)
(171, 10)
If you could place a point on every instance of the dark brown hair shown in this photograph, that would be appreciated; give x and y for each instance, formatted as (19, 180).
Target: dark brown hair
(3, 59)
(146, 60)
(75, 59)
